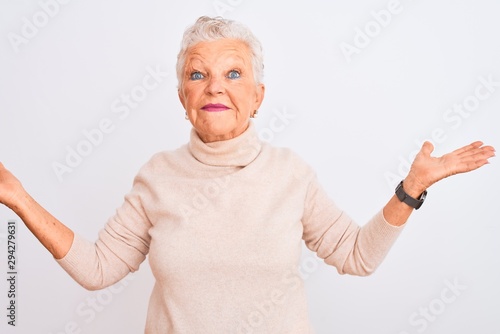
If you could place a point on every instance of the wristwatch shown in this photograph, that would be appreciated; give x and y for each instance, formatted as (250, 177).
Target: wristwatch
(415, 203)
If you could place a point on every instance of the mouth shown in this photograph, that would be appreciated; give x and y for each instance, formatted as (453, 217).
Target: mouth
(214, 107)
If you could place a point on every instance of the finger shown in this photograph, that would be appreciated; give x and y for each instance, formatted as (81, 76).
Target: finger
(427, 148)
(476, 160)
(484, 152)
(473, 165)
(468, 148)
(489, 149)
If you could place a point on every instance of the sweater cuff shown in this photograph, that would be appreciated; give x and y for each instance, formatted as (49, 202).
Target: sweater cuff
(382, 218)
(384, 230)
(72, 261)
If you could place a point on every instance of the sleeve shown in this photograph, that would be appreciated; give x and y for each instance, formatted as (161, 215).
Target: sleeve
(121, 247)
(339, 241)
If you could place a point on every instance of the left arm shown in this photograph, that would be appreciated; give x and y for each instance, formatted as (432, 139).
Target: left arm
(426, 170)
(356, 250)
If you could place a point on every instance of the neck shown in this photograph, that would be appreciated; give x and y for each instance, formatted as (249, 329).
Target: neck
(237, 151)
(210, 137)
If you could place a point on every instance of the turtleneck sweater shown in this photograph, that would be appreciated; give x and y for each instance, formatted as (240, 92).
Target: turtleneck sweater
(223, 225)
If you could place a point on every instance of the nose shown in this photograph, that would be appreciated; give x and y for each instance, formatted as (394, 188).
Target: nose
(215, 86)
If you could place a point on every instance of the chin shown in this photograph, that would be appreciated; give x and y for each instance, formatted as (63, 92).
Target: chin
(214, 131)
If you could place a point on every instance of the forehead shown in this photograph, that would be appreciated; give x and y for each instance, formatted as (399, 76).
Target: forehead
(219, 50)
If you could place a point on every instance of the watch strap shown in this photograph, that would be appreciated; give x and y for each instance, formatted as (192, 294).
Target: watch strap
(415, 203)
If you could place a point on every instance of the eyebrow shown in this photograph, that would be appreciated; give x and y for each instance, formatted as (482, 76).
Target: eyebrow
(236, 62)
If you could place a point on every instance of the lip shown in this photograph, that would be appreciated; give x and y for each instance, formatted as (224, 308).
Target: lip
(217, 107)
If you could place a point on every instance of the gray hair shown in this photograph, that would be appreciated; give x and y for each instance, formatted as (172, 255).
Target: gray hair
(207, 29)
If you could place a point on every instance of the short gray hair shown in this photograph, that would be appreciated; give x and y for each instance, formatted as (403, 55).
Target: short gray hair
(207, 29)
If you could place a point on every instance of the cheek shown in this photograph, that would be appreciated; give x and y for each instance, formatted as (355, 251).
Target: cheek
(191, 95)
(191, 102)
(244, 99)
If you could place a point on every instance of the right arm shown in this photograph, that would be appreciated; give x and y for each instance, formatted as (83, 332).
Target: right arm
(53, 235)
(121, 247)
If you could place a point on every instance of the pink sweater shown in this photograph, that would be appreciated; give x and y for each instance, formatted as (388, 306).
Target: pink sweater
(223, 224)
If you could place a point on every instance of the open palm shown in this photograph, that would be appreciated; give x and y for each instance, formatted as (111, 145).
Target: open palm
(428, 170)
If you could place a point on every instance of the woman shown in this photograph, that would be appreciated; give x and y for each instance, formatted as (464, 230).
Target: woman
(223, 217)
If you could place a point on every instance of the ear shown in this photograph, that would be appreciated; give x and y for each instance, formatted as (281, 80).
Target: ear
(259, 95)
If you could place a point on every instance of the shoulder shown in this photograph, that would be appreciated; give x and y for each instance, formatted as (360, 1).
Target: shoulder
(165, 160)
(281, 153)
(288, 160)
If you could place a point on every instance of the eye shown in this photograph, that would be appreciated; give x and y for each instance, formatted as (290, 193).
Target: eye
(233, 74)
(196, 76)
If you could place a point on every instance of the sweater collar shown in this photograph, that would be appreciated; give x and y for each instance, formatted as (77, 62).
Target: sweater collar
(235, 152)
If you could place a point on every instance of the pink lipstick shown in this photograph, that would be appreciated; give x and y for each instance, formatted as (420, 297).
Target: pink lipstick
(214, 107)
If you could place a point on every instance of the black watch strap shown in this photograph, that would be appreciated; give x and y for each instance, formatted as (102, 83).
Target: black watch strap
(415, 203)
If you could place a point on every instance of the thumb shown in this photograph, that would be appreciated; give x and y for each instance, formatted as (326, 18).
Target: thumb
(427, 148)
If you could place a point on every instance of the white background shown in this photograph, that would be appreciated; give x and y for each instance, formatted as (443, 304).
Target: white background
(355, 121)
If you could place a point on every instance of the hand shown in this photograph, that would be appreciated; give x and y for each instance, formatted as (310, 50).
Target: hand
(53, 235)
(427, 170)
(10, 187)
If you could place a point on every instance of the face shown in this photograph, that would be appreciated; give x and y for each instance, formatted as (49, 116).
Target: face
(218, 90)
